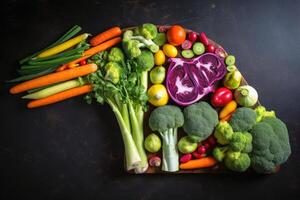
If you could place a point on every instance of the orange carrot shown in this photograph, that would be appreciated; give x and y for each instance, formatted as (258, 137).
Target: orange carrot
(103, 46)
(106, 35)
(54, 78)
(60, 96)
(90, 52)
(199, 163)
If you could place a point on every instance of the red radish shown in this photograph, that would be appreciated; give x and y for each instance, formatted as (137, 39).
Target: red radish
(186, 44)
(203, 38)
(154, 161)
(163, 29)
(210, 48)
(198, 155)
(201, 149)
(192, 36)
(185, 158)
(83, 62)
(220, 52)
(206, 145)
(212, 140)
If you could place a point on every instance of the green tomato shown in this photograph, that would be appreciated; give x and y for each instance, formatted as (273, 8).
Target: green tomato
(157, 75)
(185, 145)
(152, 143)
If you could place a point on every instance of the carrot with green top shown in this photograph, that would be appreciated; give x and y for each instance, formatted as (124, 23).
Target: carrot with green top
(60, 96)
(54, 78)
(205, 162)
(106, 35)
(64, 46)
(90, 52)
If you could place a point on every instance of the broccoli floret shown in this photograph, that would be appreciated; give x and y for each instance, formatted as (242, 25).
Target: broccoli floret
(271, 146)
(113, 72)
(262, 113)
(145, 60)
(148, 31)
(200, 120)
(243, 119)
(241, 141)
(237, 161)
(132, 48)
(116, 55)
(219, 153)
(132, 44)
(223, 132)
(166, 120)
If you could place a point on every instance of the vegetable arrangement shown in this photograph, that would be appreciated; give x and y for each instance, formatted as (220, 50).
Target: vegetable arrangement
(203, 116)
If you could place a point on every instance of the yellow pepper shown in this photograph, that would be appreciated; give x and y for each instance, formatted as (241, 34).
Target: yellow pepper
(64, 46)
(227, 110)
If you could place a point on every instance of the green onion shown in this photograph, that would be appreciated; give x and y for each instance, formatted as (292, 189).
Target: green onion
(73, 31)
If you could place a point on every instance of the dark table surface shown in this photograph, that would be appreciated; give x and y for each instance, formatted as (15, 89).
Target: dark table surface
(72, 150)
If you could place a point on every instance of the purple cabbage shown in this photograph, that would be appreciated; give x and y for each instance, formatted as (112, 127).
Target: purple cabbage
(188, 80)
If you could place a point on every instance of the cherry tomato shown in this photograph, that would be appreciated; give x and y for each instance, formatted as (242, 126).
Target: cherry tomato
(83, 62)
(221, 97)
(210, 48)
(176, 35)
(192, 36)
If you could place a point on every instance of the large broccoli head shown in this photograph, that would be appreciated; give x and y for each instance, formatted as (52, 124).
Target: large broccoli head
(200, 120)
(166, 120)
(243, 119)
(271, 146)
(166, 117)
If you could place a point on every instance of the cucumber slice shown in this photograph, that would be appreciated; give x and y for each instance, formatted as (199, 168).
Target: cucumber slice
(198, 48)
(187, 53)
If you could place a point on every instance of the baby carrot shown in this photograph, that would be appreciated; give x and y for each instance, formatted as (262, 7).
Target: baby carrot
(64, 46)
(54, 78)
(106, 35)
(228, 109)
(60, 96)
(199, 163)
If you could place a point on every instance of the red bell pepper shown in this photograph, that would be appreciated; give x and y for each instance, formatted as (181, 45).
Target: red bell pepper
(221, 97)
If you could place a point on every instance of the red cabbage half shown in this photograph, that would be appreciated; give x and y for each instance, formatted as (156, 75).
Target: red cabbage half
(188, 80)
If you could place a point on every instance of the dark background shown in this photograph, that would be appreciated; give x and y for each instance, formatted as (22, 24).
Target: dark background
(72, 150)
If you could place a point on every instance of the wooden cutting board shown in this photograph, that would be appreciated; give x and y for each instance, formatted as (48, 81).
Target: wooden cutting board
(219, 168)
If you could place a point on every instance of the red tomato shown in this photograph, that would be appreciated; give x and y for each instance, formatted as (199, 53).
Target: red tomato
(83, 62)
(221, 97)
(176, 35)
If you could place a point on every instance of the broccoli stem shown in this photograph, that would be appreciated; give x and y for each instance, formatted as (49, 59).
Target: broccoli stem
(170, 159)
(138, 137)
(133, 158)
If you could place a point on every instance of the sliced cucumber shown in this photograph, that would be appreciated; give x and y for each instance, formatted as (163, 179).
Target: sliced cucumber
(187, 53)
(198, 48)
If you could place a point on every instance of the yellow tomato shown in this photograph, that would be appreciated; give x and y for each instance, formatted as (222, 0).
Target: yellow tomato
(158, 95)
(159, 58)
(170, 50)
